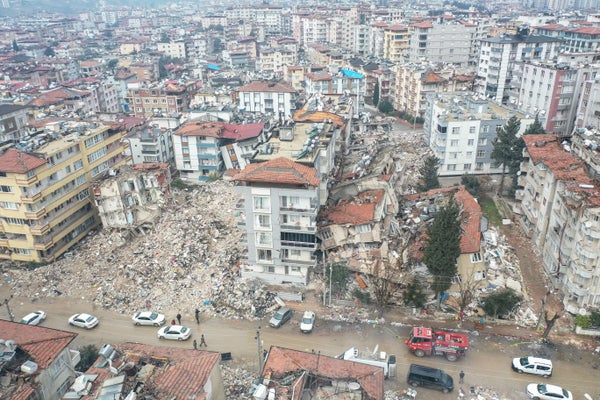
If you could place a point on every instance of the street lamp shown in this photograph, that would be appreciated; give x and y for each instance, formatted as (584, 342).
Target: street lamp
(10, 314)
(261, 360)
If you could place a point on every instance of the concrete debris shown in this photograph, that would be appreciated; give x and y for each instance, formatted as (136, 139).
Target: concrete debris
(189, 260)
(237, 382)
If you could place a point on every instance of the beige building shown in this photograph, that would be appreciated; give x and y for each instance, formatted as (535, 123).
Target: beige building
(396, 39)
(173, 49)
(45, 202)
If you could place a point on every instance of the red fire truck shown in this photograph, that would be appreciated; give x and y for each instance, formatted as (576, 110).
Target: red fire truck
(428, 341)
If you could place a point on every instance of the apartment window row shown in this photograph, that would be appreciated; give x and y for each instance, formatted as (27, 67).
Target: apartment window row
(94, 140)
(9, 205)
(96, 155)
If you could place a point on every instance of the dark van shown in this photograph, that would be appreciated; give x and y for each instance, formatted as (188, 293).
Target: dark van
(431, 378)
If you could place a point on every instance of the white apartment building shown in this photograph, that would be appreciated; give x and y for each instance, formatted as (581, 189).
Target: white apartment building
(277, 98)
(173, 49)
(150, 144)
(450, 43)
(460, 129)
(588, 110)
(499, 54)
(560, 211)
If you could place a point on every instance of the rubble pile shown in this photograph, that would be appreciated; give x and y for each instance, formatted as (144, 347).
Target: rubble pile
(237, 382)
(189, 259)
(411, 151)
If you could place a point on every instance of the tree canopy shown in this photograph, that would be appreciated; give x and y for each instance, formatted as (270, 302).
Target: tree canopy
(535, 128)
(376, 94)
(429, 174)
(508, 150)
(443, 246)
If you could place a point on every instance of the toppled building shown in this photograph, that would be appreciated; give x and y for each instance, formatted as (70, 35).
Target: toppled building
(132, 196)
(35, 362)
(138, 370)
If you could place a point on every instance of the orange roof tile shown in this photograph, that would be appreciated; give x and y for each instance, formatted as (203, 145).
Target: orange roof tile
(357, 210)
(198, 128)
(16, 161)
(279, 170)
(281, 361)
(424, 24)
(546, 149)
(264, 86)
(432, 77)
(318, 116)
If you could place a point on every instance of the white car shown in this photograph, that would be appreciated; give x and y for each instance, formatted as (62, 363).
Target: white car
(33, 318)
(308, 322)
(542, 391)
(174, 332)
(148, 318)
(83, 320)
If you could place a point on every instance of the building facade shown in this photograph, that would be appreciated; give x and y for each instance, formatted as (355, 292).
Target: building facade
(150, 144)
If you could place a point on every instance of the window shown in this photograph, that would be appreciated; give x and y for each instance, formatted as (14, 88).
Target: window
(5, 189)
(271, 269)
(93, 140)
(476, 257)
(451, 167)
(265, 255)
(455, 130)
(83, 194)
(77, 165)
(482, 142)
(454, 143)
(469, 154)
(327, 234)
(262, 203)
(363, 228)
(9, 205)
(467, 167)
(485, 128)
(479, 166)
(472, 129)
(80, 180)
(471, 142)
(480, 153)
(14, 221)
(263, 239)
(264, 221)
(454, 154)
(96, 155)
(25, 252)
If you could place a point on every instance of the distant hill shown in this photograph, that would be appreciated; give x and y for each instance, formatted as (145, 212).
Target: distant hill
(32, 7)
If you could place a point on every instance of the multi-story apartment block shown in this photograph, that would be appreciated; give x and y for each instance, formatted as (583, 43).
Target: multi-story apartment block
(13, 119)
(343, 83)
(580, 39)
(294, 74)
(131, 46)
(150, 144)
(241, 143)
(450, 43)
(499, 54)
(588, 110)
(165, 99)
(396, 40)
(274, 60)
(376, 38)
(310, 28)
(277, 98)
(560, 210)
(460, 129)
(132, 196)
(551, 91)
(45, 199)
(175, 49)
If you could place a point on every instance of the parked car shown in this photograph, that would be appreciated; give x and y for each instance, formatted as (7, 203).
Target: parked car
(533, 365)
(308, 322)
(280, 317)
(542, 391)
(174, 332)
(431, 378)
(83, 320)
(148, 318)
(33, 318)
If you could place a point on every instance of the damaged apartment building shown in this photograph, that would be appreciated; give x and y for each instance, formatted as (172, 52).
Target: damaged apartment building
(559, 205)
(131, 197)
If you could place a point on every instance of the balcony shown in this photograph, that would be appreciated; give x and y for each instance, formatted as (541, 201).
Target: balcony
(583, 272)
(299, 227)
(27, 181)
(39, 228)
(43, 243)
(577, 289)
(590, 230)
(586, 252)
(35, 214)
(32, 198)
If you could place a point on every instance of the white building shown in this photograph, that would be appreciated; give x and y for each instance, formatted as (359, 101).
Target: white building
(277, 98)
(450, 43)
(173, 49)
(150, 144)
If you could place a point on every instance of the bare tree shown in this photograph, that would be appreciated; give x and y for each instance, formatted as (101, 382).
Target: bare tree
(466, 291)
(386, 285)
(550, 323)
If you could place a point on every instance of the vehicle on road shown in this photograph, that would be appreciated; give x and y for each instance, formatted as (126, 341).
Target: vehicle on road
(542, 391)
(174, 332)
(375, 357)
(308, 322)
(280, 317)
(148, 318)
(533, 365)
(428, 341)
(83, 320)
(430, 378)
(33, 318)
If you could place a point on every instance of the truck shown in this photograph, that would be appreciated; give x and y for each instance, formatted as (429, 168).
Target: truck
(431, 342)
(381, 359)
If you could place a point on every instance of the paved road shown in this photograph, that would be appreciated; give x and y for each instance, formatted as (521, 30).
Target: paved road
(487, 364)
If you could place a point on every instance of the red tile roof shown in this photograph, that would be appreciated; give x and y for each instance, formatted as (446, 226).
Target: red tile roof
(57, 96)
(282, 361)
(16, 161)
(279, 170)
(197, 128)
(566, 167)
(321, 76)
(432, 77)
(264, 86)
(356, 210)
(42, 344)
(424, 24)
(318, 116)
(241, 132)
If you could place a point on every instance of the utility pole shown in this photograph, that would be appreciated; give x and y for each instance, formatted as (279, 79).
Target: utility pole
(261, 360)
(10, 314)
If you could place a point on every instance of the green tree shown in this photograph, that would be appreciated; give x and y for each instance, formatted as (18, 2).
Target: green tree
(413, 295)
(535, 128)
(501, 303)
(339, 275)
(112, 63)
(429, 174)
(15, 46)
(443, 246)
(49, 52)
(89, 355)
(508, 150)
(386, 107)
(471, 183)
(376, 94)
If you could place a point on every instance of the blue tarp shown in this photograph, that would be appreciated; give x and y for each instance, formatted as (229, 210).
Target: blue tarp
(213, 67)
(351, 74)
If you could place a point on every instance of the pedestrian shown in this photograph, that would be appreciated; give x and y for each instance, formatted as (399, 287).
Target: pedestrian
(202, 341)
(179, 318)
(172, 322)
(197, 315)
(195, 345)
(461, 376)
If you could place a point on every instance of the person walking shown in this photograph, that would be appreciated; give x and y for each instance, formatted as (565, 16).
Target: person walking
(195, 345)
(461, 376)
(202, 341)
(178, 318)
(172, 322)
(197, 315)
